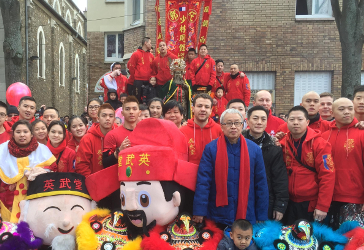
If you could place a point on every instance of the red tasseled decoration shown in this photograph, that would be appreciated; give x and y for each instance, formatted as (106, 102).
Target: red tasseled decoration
(216, 238)
(154, 241)
(356, 237)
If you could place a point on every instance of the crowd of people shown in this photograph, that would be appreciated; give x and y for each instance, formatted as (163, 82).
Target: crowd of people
(253, 165)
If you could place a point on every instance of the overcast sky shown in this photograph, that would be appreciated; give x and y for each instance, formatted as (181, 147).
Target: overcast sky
(82, 4)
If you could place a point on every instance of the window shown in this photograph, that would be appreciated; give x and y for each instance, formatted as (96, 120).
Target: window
(77, 73)
(362, 78)
(41, 52)
(259, 81)
(56, 6)
(313, 8)
(114, 47)
(79, 29)
(136, 10)
(61, 71)
(68, 17)
(310, 81)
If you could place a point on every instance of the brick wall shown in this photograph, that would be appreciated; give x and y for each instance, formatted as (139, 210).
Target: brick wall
(133, 39)
(263, 35)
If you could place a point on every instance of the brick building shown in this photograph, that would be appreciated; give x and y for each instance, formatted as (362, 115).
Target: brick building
(57, 56)
(115, 29)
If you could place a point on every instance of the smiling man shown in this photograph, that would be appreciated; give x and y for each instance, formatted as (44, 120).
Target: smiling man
(358, 101)
(54, 207)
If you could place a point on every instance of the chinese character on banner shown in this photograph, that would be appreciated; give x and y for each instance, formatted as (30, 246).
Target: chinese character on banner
(78, 184)
(205, 21)
(64, 183)
(48, 184)
(159, 27)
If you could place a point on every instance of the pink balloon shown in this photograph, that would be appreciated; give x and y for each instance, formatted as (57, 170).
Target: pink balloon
(119, 114)
(16, 91)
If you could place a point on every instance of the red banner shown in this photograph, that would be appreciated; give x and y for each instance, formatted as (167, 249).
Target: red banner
(205, 22)
(181, 25)
(159, 28)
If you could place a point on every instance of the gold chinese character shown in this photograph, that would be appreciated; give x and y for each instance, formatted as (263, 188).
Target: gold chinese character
(182, 29)
(206, 9)
(173, 15)
(182, 47)
(183, 19)
(205, 23)
(181, 55)
(191, 15)
(202, 39)
(119, 161)
(157, 8)
(129, 159)
(182, 38)
(160, 36)
(159, 22)
(144, 159)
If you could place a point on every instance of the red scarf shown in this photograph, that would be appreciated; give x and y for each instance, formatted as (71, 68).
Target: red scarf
(18, 152)
(221, 176)
(56, 151)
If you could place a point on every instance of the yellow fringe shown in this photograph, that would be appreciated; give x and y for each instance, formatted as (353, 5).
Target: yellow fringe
(133, 245)
(85, 235)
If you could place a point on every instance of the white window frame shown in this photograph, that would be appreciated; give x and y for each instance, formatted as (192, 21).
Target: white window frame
(137, 21)
(61, 47)
(79, 29)
(58, 5)
(112, 59)
(114, 1)
(68, 17)
(42, 60)
(328, 16)
(77, 73)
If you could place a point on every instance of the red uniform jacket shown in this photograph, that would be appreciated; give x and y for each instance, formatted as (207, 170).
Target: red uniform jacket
(66, 163)
(348, 153)
(121, 82)
(219, 108)
(160, 68)
(238, 88)
(217, 84)
(207, 74)
(89, 153)
(197, 138)
(188, 68)
(304, 184)
(14, 119)
(273, 124)
(320, 126)
(114, 138)
(140, 66)
(72, 144)
(7, 133)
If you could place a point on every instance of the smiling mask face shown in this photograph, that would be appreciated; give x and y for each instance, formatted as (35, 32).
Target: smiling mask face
(53, 216)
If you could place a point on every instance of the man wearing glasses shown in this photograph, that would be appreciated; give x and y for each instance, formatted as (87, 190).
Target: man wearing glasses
(231, 180)
(5, 129)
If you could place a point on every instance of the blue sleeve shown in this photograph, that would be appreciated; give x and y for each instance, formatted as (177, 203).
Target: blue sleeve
(203, 184)
(261, 188)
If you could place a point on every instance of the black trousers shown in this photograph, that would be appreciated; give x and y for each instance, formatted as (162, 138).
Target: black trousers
(296, 211)
(136, 89)
(333, 216)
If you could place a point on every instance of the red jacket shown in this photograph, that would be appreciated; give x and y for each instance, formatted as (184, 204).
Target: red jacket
(348, 153)
(121, 82)
(7, 133)
(66, 163)
(320, 126)
(197, 138)
(238, 88)
(72, 144)
(188, 68)
(160, 68)
(207, 74)
(304, 184)
(114, 138)
(219, 108)
(89, 153)
(140, 66)
(223, 77)
(273, 124)
(14, 119)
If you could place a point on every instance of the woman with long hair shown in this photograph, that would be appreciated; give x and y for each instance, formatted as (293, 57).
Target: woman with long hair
(93, 110)
(77, 126)
(39, 129)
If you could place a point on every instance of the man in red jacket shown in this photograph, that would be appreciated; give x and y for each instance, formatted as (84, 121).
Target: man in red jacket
(5, 129)
(117, 140)
(358, 100)
(237, 87)
(27, 108)
(89, 153)
(348, 155)
(203, 71)
(264, 98)
(325, 109)
(160, 65)
(191, 55)
(202, 129)
(140, 68)
(310, 169)
(114, 80)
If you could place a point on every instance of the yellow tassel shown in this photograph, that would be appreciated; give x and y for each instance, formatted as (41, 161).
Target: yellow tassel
(133, 245)
(85, 235)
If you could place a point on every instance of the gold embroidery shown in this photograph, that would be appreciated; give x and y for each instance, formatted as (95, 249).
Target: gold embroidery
(191, 146)
(330, 162)
(349, 145)
(309, 159)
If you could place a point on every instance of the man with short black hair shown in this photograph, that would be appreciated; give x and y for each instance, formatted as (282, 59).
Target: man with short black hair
(203, 71)
(140, 68)
(200, 130)
(310, 169)
(325, 109)
(50, 114)
(275, 167)
(239, 105)
(5, 129)
(358, 100)
(27, 108)
(191, 55)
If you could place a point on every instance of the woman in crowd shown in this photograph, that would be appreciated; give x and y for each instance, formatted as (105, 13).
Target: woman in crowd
(155, 106)
(20, 156)
(58, 146)
(39, 129)
(77, 126)
(93, 109)
(173, 111)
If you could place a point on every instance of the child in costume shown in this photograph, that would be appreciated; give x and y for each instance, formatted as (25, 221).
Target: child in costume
(241, 237)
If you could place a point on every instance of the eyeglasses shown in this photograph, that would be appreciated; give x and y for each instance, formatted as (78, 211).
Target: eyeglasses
(230, 124)
(2, 115)
(94, 107)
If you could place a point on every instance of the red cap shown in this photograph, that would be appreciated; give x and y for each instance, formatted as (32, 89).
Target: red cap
(159, 152)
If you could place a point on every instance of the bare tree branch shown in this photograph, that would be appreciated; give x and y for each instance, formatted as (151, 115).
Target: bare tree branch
(337, 12)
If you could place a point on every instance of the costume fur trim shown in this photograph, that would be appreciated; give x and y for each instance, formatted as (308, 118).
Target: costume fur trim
(134, 244)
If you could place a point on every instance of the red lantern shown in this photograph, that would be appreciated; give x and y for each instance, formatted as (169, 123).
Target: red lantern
(16, 91)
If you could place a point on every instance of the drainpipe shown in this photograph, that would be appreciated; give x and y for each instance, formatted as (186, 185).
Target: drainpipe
(26, 43)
